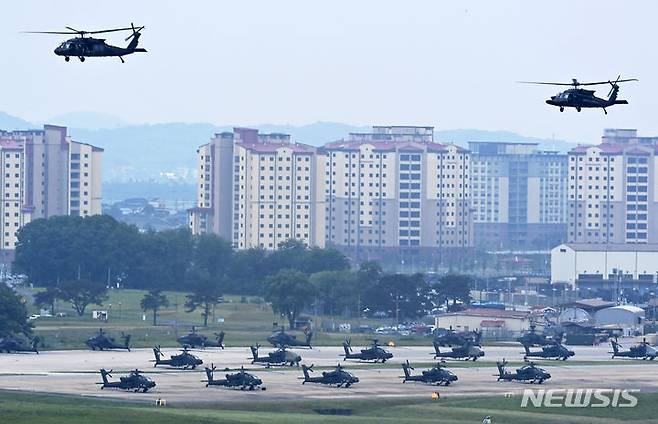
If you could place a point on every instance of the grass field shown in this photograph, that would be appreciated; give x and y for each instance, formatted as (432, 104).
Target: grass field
(21, 408)
(245, 321)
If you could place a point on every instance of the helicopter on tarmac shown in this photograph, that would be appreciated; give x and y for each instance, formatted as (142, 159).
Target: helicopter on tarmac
(528, 373)
(642, 351)
(241, 379)
(467, 351)
(134, 381)
(280, 339)
(338, 377)
(102, 341)
(281, 356)
(373, 353)
(533, 338)
(183, 360)
(13, 344)
(194, 339)
(553, 350)
(451, 338)
(580, 98)
(437, 375)
(84, 46)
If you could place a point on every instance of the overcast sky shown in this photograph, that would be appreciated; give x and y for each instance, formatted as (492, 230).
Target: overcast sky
(447, 64)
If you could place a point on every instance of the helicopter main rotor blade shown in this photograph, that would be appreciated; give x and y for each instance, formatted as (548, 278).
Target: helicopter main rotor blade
(546, 83)
(576, 83)
(109, 30)
(49, 32)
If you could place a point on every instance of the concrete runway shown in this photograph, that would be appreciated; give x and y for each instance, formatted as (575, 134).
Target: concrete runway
(76, 372)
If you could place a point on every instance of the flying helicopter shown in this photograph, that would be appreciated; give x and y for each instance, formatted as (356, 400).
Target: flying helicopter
(134, 381)
(467, 351)
(280, 338)
(373, 353)
(84, 46)
(183, 360)
(642, 350)
(553, 350)
(13, 344)
(194, 339)
(338, 377)
(240, 379)
(281, 356)
(437, 375)
(580, 98)
(528, 373)
(102, 341)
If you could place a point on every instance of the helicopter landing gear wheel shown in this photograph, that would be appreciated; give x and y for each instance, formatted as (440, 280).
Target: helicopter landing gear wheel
(82, 58)
(605, 111)
(66, 59)
(561, 109)
(578, 109)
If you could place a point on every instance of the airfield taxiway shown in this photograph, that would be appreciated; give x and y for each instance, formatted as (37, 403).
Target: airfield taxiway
(75, 372)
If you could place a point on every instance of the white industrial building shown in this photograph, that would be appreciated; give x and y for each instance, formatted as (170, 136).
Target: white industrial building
(628, 317)
(493, 323)
(574, 263)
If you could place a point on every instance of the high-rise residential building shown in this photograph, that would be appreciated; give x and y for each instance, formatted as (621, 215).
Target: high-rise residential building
(395, 188)
(518, 196)
(613, 195)
(46, 173)
(258, 190)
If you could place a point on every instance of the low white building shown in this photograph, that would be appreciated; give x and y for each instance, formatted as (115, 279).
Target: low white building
(577, 262)
(493, 323)
(628, 317)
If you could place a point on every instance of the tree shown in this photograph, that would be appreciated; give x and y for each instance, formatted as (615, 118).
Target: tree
(13, 313)
(47, 298)
(289, 291)
(206, 293)
(82, 293)
(335, 290)
(401, 295)
(153, 301)
(454, 288)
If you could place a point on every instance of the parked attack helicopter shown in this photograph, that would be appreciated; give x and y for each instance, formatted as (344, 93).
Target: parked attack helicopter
(338, 377)
(437, 375)
(527, 373)
(183, 360)
(452, 338)
(280, 339)
(579, 98)
(82, 47)
(242, 380)
(553, 350)
(281, 356)
(102, 341)
(642, 350)
(373, 353)
(134, 381)
(467, 351)
(13, 344)
(533, 338)
(194, 339)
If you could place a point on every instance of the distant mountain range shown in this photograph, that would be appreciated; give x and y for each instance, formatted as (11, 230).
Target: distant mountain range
(141, 152)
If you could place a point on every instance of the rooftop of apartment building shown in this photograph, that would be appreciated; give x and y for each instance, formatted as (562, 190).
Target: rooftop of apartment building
(500, 148)
(621, 140)
(252, 139)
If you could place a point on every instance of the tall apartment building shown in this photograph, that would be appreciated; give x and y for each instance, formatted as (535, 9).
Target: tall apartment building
(613, 195)
(258, 190)
(46, 174)
(396, 188)
(518, 195)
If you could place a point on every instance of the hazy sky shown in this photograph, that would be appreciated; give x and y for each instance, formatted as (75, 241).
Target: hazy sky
(448, 64)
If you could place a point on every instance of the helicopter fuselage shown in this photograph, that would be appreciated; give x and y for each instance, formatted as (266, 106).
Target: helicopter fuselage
(579, 98)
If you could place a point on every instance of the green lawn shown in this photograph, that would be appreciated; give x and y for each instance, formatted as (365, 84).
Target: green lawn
(246, 321)
(22, 408)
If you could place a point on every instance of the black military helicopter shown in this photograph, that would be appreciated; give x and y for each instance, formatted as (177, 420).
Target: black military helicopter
(194, 339)
(338, 377)
(374, 353)
(13, 344)
(529, 372)
(451, 338)
(134, 381)
(183, 360)
(102, 341)
(280, 339)
(642, 350)
(553, 350)
(580, 98)
(437, 375)
(467, 351)
(281, 356)
(82, 47)
(242, 380)
(533, 338)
